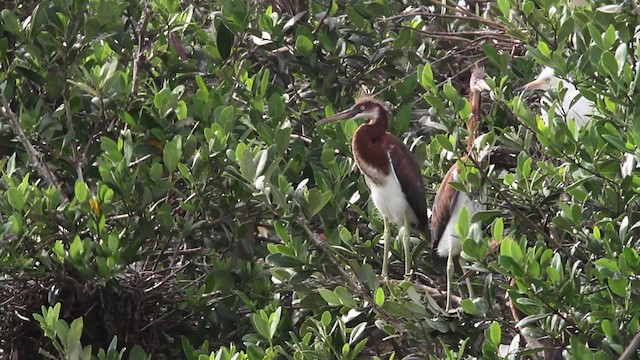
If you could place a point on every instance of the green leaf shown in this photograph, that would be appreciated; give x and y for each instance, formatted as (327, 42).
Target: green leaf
(346, 298)
(379, 297)
(609, 63)
(329, 296)
(504, 7)
(274, 321)
(444, 142)
(224, 40)
(74, 334)
(281, 230)
(172, 153)
(261, 326)
(495, 333)
(468, 306)
(17, 223)
(76, 248)
(425, 76)
(137, 353)
(304, 45)
(10, 22)
(81, 191)
(16, 199)
(609, 37)
(608, 328)
(498, 230)
(450, 92)
(619, 286)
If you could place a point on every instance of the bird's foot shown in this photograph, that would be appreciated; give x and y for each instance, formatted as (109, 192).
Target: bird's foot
(408, 276)
(455, 312)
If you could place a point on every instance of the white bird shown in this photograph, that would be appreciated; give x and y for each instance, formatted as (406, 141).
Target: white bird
(573, 105)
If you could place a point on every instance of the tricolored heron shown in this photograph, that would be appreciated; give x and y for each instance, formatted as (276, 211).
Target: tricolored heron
(391, 172)
(449, 202)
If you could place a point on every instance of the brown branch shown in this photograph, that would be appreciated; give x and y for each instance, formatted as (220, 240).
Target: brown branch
(137, 57)
(466, 15)
(35, 157)
(633, 345)
(77, 160)
(352, 282)
(431, 291)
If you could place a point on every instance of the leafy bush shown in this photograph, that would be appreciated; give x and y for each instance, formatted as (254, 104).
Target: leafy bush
(164, 187)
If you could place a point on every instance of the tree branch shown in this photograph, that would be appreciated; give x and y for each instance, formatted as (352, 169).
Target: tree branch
(35, 157)
(77, 160)
(352, 282)
(631, 349)
(137, 57)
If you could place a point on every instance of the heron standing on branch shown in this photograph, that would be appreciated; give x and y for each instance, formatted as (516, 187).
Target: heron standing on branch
(449, 202)
(391, 172)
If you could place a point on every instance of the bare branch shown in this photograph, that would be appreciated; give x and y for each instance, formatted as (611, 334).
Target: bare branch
(77, 160)
(352, 282)
(633, 346)
(137, 57)
(35, 157)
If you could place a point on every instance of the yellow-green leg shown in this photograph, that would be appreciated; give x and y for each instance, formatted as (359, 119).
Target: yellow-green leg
(406, 244)
(467, 279)
(386, 237)
(450, 274)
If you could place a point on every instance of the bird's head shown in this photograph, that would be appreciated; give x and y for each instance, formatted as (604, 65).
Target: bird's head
(547, 80)
(477, 81)
(364, 108)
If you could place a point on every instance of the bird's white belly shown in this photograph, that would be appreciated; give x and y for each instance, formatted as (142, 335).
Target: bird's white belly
(450, 237)
(628, 165)
(390, 201)
(580, 112)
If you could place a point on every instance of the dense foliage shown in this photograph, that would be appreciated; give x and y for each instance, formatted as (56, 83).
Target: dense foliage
(164, 191)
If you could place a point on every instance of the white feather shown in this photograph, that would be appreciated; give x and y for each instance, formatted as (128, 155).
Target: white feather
(580, 111)
(450, 237)
(628, 165)
(389, 198)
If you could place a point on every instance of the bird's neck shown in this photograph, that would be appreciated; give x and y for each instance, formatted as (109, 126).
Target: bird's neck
(375, 128)
(473, 125)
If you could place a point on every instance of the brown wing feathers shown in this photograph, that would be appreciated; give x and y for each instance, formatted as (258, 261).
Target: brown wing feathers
(407, 170)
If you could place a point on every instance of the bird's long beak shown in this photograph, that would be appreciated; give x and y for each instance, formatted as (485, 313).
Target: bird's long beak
(343, 115)
(482, 85)
(534, 85)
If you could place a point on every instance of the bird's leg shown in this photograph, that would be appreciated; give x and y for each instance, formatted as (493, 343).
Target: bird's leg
(450, 274)
(406, 244)
(467, 279)
(386, 236)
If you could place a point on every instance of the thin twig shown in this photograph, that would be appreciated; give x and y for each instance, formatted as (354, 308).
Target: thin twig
(137, 56)
(467, 15)
(77, 161)
(631, 349)
(431, 291)
(35, 157)
(352, 282)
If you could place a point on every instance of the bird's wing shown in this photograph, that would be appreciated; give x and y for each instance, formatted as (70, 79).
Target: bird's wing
(408, 173)
(443, 206)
